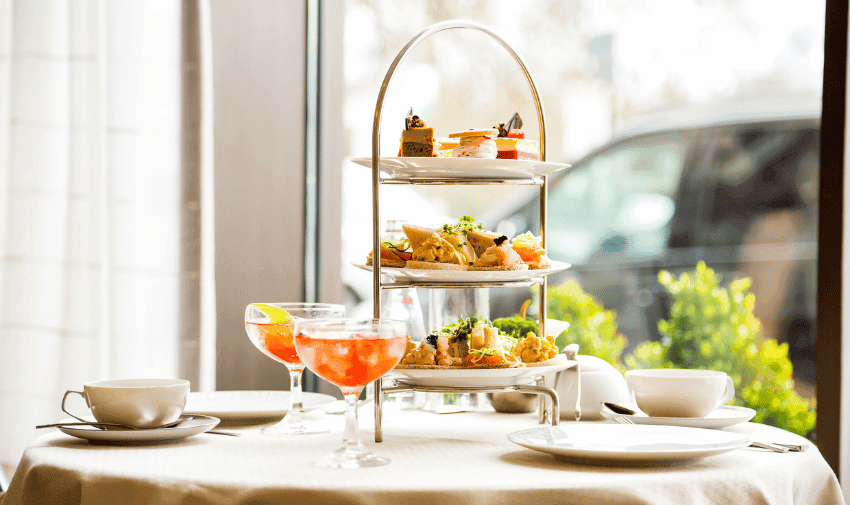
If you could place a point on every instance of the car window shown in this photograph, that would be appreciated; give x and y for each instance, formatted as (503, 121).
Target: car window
(758, 171)
(621, 198)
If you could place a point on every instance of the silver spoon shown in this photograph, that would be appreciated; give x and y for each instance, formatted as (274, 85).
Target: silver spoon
(228, 433)
(618, 409)
(772, 446)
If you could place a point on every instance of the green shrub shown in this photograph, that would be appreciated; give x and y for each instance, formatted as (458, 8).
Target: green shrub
(592, 327)
(711, 327)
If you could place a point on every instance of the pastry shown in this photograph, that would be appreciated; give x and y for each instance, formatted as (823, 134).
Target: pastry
(417, 138)
(516, 147)
(511, 143)
(446, 145)
(475, 144)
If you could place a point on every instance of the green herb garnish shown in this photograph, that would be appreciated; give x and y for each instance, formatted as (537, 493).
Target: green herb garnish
(464, 225)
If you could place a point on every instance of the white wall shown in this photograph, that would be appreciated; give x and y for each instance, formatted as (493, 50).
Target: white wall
(258, 87)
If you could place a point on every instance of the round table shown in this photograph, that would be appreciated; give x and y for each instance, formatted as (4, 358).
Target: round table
(462, 458)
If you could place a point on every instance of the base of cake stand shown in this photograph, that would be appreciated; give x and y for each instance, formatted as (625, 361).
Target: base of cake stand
(546, 413)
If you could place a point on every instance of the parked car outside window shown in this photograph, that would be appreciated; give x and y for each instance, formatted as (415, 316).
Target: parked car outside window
(734, 186)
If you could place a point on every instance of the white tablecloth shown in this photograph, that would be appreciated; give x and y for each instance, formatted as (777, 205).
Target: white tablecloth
(460, 458)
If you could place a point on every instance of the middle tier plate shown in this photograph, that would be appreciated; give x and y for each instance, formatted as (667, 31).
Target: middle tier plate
(465, 276)
(462, 168)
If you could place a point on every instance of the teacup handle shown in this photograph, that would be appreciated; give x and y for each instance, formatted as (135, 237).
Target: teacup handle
(730, 392)
(64, 398)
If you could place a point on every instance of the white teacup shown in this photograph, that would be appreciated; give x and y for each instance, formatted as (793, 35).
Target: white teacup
(138, 403)
(679, 393)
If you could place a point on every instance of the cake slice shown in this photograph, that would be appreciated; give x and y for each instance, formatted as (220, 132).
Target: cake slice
(446, 146)
(511, 143)
(417, 138)
(517, 148)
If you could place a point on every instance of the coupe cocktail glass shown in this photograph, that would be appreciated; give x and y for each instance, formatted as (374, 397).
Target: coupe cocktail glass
(351, 353)
(270, 328)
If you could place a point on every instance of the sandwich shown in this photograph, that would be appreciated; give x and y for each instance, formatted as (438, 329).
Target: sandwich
(469, 343)
(394, 253)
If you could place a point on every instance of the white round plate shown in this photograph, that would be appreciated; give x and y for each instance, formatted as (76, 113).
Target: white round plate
(489, 377)
(233, 405)
(721, 417)
(454, 168)
(465, 276)
(611, 443)
(193, 425)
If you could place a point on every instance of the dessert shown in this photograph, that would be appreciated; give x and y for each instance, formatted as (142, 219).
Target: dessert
(446, 146)
(417, 138)
(475, 144)
(515, 147)
(511, 143)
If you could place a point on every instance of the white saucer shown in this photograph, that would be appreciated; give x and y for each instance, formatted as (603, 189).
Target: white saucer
(241, 405)
(721, 417)
(602, 443)
(193, 425)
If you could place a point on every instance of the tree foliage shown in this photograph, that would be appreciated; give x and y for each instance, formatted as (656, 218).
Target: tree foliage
(592, 327)
(713, 327)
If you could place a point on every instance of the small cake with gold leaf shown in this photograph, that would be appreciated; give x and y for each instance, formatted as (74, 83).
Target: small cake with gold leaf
(417, 138)
(511, 142)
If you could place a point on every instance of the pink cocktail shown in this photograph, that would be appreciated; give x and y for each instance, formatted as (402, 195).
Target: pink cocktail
(270, 327)
(351, 354)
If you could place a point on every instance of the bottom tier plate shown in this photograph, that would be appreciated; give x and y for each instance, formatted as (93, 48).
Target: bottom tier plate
(485, 377)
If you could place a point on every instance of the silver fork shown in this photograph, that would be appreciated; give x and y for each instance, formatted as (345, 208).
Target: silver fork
(760, 445)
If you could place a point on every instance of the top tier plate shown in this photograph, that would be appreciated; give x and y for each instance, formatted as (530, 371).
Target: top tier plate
(462, 168)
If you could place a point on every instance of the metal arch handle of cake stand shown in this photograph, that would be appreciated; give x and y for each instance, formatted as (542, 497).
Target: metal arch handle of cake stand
(376, 161)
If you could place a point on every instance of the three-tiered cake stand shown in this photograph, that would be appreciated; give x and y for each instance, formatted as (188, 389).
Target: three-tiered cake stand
(464, 171)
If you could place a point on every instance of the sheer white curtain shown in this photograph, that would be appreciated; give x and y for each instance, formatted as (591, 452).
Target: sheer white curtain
(101, 170)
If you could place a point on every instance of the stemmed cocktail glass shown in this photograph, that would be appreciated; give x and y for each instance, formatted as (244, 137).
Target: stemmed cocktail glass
(270, 327)
(351, 353)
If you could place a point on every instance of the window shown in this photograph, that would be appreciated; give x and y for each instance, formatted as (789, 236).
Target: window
(693, 141)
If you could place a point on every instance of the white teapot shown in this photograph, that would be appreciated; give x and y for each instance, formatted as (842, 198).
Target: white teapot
(599, 382)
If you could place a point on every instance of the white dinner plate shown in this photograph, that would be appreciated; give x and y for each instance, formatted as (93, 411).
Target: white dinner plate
(193, 425)
(465, 276)
(721, 417)
(240, 405)
(602, 443)
(449, 168)
(490, 377)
